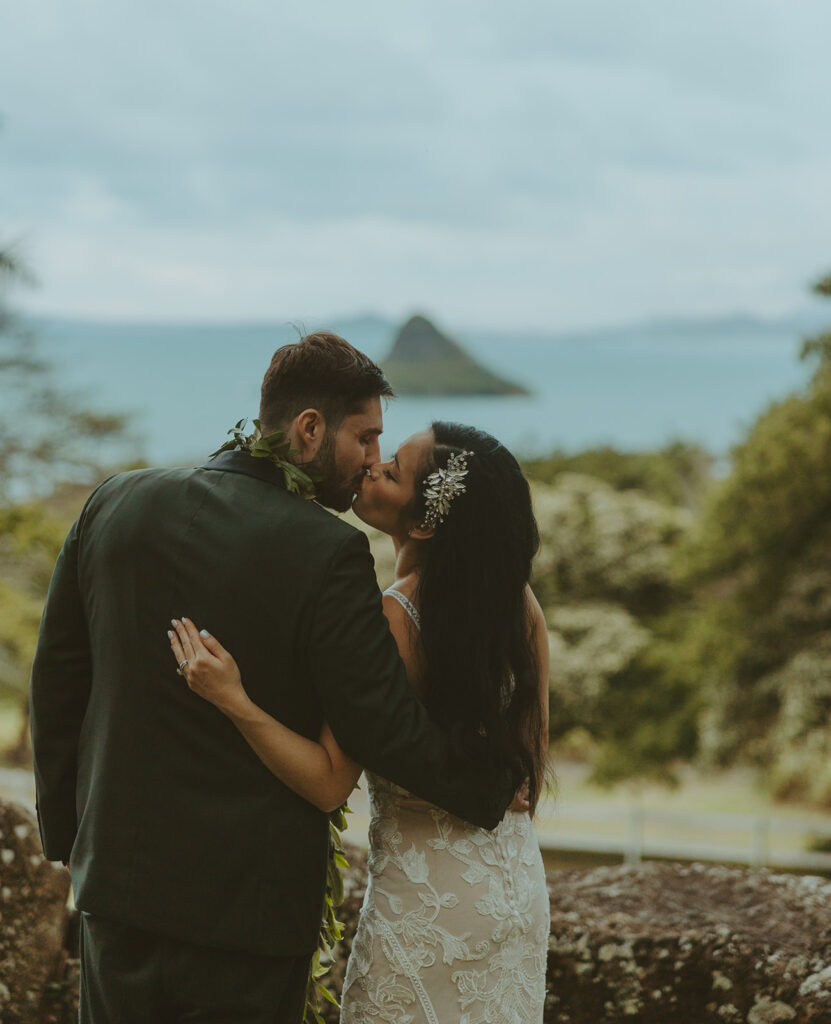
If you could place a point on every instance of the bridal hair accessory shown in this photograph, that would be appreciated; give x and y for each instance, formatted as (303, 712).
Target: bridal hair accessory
(442, 487)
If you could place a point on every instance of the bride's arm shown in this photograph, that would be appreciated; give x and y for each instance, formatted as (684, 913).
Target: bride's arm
(318, 771)
(539, 641)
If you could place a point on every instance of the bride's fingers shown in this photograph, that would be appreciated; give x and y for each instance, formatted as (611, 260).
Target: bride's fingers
(184, 639)
(176, 647)
(202, 640)
(212, 644)
(199, 647)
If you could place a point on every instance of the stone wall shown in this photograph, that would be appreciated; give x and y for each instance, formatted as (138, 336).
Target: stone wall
(669, 943)
(37, 979)
(656, 944)
(691, 943)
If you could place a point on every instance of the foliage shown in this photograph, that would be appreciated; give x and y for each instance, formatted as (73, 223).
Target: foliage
(777, 494)
(277, 449)
(47, 437)
(798, 745)
(760, 560)
(599, 543)
(677, 475)
(605, 577)
(30, 538)
(19, 620)
(331, 930)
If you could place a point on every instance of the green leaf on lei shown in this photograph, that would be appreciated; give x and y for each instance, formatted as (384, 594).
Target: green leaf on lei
(302, 480)
(331, 930)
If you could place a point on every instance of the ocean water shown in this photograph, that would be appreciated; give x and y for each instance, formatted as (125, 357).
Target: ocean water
(636, 387)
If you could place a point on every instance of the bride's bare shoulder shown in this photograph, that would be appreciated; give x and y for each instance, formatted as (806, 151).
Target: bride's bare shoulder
(534, 607)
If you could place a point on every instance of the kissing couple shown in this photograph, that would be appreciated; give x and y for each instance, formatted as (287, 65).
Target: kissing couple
(186, 773)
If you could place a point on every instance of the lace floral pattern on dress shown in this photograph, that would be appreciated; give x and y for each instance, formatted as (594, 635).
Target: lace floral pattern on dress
(454, 926)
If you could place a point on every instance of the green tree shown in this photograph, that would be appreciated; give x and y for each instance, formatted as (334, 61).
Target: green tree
(760, 561)
(53, 450)
(677, 475)
(605, 577)
(47, 435)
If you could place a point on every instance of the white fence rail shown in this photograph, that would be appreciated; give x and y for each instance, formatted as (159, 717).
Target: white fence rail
(635, 833)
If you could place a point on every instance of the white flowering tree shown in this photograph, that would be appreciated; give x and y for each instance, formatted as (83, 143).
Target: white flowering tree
(606, 580)
(760, 558)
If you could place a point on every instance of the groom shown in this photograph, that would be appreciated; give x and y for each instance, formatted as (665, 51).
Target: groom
(198, 874)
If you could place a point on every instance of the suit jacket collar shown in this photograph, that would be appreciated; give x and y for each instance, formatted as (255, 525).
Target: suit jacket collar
(242, 462)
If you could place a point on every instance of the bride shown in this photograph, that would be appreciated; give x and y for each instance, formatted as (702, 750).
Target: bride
(454, 925)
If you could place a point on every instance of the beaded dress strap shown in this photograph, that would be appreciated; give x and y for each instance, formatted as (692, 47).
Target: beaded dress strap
(406, 604)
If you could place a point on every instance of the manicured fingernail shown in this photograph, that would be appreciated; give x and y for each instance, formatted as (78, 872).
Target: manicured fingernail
(204, 632)
(175, 623)
(169, 635)
(185, 619)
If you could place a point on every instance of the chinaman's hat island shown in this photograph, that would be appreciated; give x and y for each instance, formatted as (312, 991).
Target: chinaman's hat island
(423, 361)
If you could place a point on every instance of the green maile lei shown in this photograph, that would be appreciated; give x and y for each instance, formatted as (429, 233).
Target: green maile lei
(303, 481)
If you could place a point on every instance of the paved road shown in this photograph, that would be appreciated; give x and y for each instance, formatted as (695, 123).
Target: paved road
(18, 784)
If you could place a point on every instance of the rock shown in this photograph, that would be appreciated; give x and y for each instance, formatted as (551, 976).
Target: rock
(671, 944)
(655, 944)
(33, 923)
(688, 943)
(769, 1011)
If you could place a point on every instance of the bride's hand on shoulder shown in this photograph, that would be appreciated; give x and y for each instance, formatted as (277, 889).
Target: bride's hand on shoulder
(521, 802)
(207, 668)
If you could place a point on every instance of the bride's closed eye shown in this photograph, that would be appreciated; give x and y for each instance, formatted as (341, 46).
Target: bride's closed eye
(387, 473)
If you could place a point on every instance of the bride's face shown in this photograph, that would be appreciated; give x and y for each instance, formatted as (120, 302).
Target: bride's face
(389, 488)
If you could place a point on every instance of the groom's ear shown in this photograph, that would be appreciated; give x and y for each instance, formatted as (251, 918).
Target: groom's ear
(310, 426)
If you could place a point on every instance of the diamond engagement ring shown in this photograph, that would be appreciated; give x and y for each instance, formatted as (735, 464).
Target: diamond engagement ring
(182, 664)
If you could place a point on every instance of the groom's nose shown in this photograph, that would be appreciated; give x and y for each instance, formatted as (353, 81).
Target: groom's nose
(372, 454)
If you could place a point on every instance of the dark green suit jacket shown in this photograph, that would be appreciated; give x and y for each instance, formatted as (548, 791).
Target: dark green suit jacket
(170, 820)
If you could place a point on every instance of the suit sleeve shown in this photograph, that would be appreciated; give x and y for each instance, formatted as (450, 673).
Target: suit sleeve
(371, 708)
(59, 691)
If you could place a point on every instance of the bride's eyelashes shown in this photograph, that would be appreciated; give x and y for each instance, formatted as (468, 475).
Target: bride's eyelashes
(387, 473)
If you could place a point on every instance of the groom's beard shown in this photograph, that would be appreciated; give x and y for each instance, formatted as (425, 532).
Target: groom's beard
(337, 489)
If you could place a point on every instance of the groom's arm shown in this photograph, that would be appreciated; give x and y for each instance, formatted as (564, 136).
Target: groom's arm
(373, 713)
(61, 676)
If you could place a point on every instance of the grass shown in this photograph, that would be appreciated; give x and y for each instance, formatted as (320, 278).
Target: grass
(11, 722)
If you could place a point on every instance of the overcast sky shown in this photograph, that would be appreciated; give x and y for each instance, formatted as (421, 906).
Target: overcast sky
(540, 163)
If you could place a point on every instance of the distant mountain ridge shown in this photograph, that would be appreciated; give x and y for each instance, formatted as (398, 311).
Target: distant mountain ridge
(424, 361)
(371, 331)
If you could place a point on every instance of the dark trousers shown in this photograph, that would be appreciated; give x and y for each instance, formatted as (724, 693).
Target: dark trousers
(131, 976)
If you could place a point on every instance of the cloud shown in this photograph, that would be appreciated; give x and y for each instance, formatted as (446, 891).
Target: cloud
(573, 161)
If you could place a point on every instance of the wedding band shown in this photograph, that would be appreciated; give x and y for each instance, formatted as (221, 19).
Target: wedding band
(182, 664)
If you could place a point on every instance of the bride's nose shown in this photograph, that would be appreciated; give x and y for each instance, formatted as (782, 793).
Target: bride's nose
(372, 471)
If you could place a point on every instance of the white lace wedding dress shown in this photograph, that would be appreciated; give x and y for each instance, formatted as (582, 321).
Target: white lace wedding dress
(454, 925)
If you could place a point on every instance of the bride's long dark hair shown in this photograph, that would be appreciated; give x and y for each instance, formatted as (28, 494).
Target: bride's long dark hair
(481, 672)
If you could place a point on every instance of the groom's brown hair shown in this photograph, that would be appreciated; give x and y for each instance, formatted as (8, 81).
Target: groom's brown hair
(320, 371)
